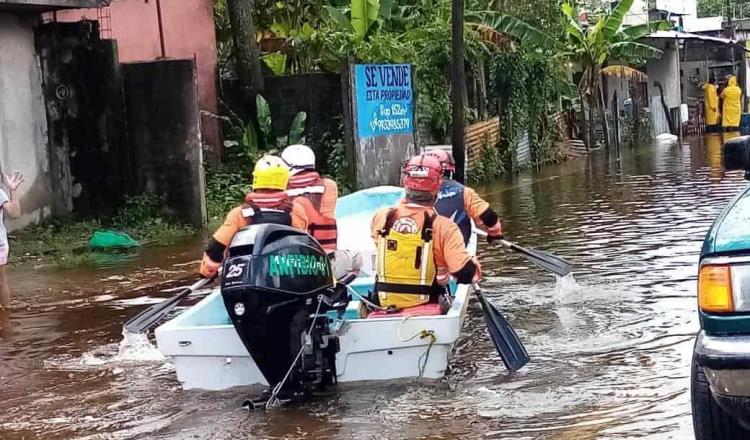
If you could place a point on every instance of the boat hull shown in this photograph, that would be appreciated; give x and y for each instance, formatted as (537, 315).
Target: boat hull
(208, 354)
(212, 356)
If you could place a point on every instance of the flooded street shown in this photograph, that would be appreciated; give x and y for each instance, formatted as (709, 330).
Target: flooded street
(610, 357)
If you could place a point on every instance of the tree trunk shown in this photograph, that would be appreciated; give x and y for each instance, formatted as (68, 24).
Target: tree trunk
(245, 49)
(458, 89)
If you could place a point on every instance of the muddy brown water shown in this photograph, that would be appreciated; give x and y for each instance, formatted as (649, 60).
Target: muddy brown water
(610, 360)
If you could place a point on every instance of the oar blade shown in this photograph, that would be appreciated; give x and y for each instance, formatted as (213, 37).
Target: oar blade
(548, 262)
(505, 339)
(147, 318)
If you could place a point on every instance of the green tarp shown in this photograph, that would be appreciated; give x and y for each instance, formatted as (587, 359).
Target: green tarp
(111, 240)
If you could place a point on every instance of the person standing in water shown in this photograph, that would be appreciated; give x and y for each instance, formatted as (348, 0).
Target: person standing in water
(9, 205)
(711, 104)
(730, 114)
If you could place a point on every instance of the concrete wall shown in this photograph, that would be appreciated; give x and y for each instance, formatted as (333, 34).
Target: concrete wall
(188, 33)
(23, 124)
(667, 71)
(165, 136)
(87, 130)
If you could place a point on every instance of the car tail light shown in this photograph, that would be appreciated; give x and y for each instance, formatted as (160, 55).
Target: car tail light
(715, 289)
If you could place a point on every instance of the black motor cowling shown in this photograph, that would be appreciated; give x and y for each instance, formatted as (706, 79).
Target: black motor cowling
(273, 281)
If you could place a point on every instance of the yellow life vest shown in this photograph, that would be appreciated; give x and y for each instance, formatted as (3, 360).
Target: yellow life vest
(405, 265)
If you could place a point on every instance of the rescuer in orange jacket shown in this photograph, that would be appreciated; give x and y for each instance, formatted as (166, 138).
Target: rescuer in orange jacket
(463, 204)
(318, 195)
(268, 202)
(418, 249)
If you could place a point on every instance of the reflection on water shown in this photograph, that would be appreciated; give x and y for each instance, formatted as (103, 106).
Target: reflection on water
(610, 350)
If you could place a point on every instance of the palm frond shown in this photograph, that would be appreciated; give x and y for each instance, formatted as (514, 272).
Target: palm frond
(634, 33)
(630, 50)
(489, 35)
(614, 21)
(525, 33)
(625, 72)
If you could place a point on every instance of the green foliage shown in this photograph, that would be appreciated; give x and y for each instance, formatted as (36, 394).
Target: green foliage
(431, 56)
(225, 188)
(533, 82)
(62, 242)
(637, 130)
(276, 62)
(739, 9)
(541, 14)
(264, 116)
(337, 166)
(297, 129)
(492, 164)
(364, 15)
(590, 48)
(138, 210)
(245, 144)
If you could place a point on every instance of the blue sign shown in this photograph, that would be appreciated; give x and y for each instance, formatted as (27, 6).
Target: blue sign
(384, 99)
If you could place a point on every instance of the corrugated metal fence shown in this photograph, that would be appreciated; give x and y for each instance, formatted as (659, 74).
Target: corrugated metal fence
(523, 151)
(479, 134)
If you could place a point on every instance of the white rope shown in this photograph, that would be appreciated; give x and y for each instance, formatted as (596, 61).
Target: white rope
(424, 333)
(363, 299)
(273, 400)
(401, 338)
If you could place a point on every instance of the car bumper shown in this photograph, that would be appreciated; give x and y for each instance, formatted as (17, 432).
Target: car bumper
(726, 363)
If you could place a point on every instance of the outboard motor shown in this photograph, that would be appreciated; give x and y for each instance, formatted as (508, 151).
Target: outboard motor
(277, 285)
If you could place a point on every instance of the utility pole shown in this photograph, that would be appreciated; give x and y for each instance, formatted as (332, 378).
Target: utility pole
(458, 82)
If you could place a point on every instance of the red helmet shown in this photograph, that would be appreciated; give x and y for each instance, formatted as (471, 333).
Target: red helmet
(422, 173)
(445, 158)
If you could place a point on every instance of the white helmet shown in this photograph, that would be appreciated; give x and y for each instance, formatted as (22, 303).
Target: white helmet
(299, 157)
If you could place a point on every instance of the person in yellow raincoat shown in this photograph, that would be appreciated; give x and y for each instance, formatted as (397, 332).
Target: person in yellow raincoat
(732, 96)
(711, 102)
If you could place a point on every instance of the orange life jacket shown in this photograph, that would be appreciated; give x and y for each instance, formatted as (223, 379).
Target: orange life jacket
(307, 189)
(262, 208)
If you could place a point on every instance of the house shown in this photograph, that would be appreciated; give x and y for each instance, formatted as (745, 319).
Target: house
(23, 122)
(157, 29)
(694, 51)
(88, 130)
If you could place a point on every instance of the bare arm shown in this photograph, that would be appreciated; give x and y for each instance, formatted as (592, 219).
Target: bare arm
(13, 207)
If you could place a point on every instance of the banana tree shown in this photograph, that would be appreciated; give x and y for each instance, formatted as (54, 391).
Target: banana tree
(364, 14)
(590, 48)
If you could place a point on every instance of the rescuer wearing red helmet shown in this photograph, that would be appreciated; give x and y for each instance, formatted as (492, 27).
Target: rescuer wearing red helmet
(463, 204)
(417, 248)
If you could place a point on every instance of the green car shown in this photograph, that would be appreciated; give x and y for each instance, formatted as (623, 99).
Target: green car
(720, 379)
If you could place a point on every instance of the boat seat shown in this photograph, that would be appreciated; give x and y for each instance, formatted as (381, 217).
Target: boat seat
(431, 309)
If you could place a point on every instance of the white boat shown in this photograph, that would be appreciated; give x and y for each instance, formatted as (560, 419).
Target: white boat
(208, 354)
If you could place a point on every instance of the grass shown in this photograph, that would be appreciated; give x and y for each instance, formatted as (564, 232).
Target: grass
(63, 242)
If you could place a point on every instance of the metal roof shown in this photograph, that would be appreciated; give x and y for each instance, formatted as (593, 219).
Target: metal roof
(38, 6)
(677, 35)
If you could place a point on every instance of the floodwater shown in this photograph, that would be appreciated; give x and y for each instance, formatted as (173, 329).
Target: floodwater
(610, 356)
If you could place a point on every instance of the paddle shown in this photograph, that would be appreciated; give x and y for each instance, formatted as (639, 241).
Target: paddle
(505, 339)
(545, 260)
(147, 318)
